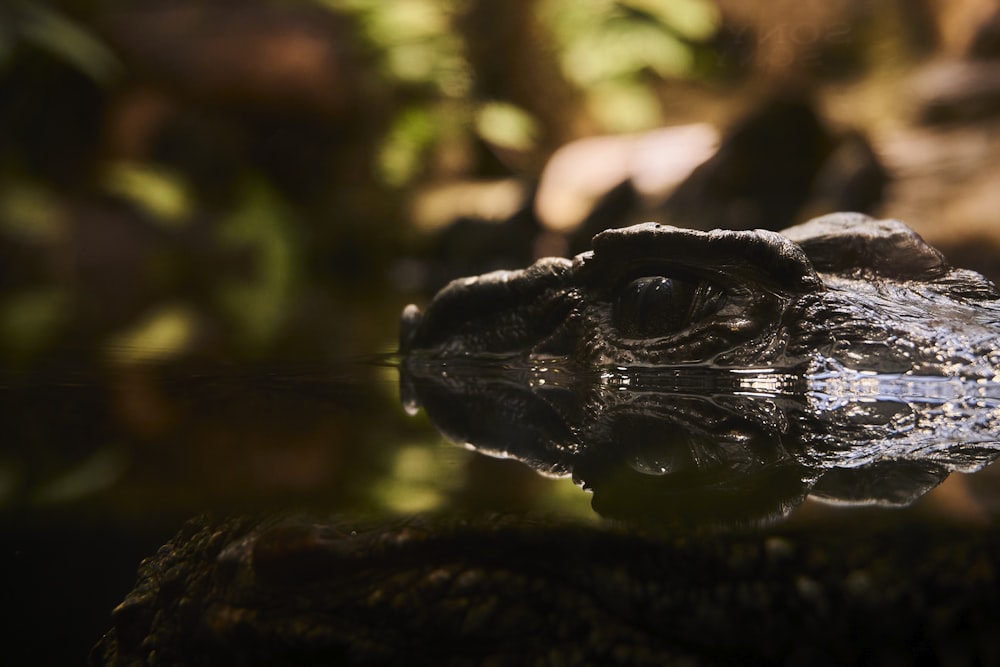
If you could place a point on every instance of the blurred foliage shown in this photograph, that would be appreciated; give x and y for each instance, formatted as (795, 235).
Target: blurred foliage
(418, 50)
(262, 222)
(609, 49)
(161, 193)
(149, 221)
(438, 113)
(162, 335)
(507, 126)
(36, 25)
(415, 40)
(405, 149)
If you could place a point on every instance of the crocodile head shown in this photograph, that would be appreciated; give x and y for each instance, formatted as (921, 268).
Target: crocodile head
(868, 294)
(843, 356)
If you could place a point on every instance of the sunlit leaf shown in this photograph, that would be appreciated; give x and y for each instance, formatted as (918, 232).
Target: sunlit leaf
(408, 21)
(164, 334)
(624, 107)
(160, 192)
(601, 39)
(405, 147)
(693, 19)
(622, 50)
(415, 39)
(507, 126)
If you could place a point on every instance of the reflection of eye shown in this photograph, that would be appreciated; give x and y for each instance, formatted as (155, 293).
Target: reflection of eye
(657, 305)
(660, 459)
(653, 446)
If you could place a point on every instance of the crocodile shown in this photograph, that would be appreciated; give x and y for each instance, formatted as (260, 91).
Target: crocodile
(846, 345)
(842, 358)
(299, 590)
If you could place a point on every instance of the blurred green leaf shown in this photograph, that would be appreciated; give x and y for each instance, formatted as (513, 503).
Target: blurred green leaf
(424, 55)
(695, 20)
(65, 39)
(405, 147)
(623, 51)
(264, 224)
(621, 106)
(160, 192)
(415, 39)
(165, 333)
(607, 48)
(507, 126)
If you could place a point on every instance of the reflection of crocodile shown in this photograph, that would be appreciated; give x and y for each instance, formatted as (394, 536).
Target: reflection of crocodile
(843, 356)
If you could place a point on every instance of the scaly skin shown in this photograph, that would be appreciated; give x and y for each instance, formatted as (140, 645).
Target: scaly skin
(869, 294)
(307, 592)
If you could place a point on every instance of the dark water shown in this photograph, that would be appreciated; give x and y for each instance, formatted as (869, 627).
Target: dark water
(103, 463)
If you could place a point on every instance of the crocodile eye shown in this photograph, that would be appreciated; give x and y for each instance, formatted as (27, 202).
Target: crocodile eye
(657, 305)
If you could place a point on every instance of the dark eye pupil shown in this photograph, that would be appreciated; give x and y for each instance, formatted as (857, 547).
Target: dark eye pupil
(653, 305)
